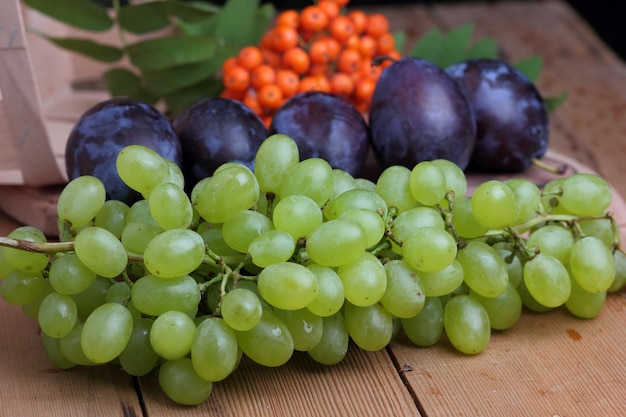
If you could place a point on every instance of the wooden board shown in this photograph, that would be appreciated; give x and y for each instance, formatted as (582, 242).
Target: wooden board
(548, 365)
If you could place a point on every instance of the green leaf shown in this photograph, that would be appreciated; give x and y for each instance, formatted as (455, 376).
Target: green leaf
(483, 48)
(530, 66)
(236, 16)
(455, 45)
(88, 47)
(399, 38)
(428, 47)
(170, 80)
(552, 103)
(121, 81)
(83, 14)
(180, 100)
(166, 52)
(191, 11)
(263, 18)
(143, 17)
(205, 27)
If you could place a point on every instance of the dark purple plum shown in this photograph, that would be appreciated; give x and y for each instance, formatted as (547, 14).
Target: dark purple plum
(214, 131)
(105, 129)
(419, 113)
(325, 126)
(511, 117)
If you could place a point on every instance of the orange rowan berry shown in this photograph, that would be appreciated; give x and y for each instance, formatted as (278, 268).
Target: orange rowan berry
(288, 18)
(329, 7)
(266, 41)
(296, 59)
(313, 18)
(353, 42)
(359, 19)
(370, 71)
(341, 3)
(252, 102)
(284, 37)
(333, 48)
(364, 89)
(236, 78)
(318, 69)
(249, 57)
(288, 81)
(271, 57)
(319, 52)
(308, 83)
(341, 28)
(267, 120)
(270, 96)
(323, 83)
(262, 75)
(341, 84)
(228, 64)
(386, 43)
(233, 95)
(377, 24)
(367, 46)
(349, 60)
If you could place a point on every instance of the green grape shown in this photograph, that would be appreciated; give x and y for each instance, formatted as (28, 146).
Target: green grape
(275, 158)
(136, 236)
(407, 222)
(512, 260)
(31, 308)
(330, 295)
(269, 343)
(403, 296)
(342, 181)
(214, 350)
(176, 175)
(620, 271)
(495, 205)
(529, 197)
(242, 228)
(599, 228)
(466, 324)
(312, 177)
(365, 184)
(71, 347)
(550, 196)
(426, 328)
(138, 358)
(585, 194)
(94, 296)
(23, 260)
(372, 223)
(463, 219)
(226, 193)
(57, 315)
(141, 168)
(483, 270)
(429, 249)
(106, 332)
(170, 207)
(304, 327)
(455, 177)
(80, 200)
(241, 309)
(153, 295)
(214, 240)
(364, 280)
(181, 383)
(118, 293)
(287, 285)
(171, 334)
(553, 239)
(101, 251)
(52, 349)
(547, 280)
(174, 253)
(333, 345)
(393, 187)
(140, 212)
(592, 265)
(112, 216)
(584, 304)
(529, 301)
(21, 287)
(442, 282)
(369, 327)
(428, 183)
(503, 310)
(336, 242)
(297, 215)
(5, 266)
(271, 247)
(195, 191)
(68, 275)
(357, 198)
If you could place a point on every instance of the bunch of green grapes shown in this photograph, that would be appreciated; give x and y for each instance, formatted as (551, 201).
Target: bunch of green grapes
(297, 256)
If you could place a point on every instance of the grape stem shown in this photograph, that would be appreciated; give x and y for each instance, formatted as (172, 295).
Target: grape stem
(50, 248)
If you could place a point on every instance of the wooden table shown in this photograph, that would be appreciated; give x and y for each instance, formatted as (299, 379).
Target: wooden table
(548, 365)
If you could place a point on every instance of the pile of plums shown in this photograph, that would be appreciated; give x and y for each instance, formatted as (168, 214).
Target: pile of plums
(480, 114)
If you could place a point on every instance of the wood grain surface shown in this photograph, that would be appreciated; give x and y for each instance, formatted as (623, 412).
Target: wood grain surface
(548, 365)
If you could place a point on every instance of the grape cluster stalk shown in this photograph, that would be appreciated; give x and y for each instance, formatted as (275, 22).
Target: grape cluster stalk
(294, 255)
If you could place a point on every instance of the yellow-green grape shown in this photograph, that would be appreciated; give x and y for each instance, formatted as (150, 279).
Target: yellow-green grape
(357, 198)
(330, 295)
(585, 194)
(592, 264)
(463, 220)
(269, 343)
(138, 358)
(427, 183)
(174, 253)
(429, 249)
(80, 200)
(243, 227)
(466, 324)
(154, 295)
(52, 349)
(495, 205)
(271, 247)
(182, 384)
(141, 168)
(393, 187)
(170, 207)
(442, 282)
(106, 332)
(620, 271)
(312, 177)
(90, 299)
(26, 260)
(403, 296)
(68, 275)
(333, 346)
(112, 216)
(553, 239)
(57, 315)
(370, 327)
(101, 251)
(171, 334)
(275, 158)
(529, 197)
(426, 328)
(21, 287)
(584, 304)
(297, 215)
(336, 242)
(407, 222)
(305, 327)
(214, 350)
(364, 280)
(241, 309)
(70, 346)
(455, 177)
(342, 181)
(547, 280)
(484, 270)
(504, 310)
(288, 285)
(371, 221)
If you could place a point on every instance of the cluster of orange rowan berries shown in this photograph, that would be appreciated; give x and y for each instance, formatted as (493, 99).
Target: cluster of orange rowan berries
(322, 47)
